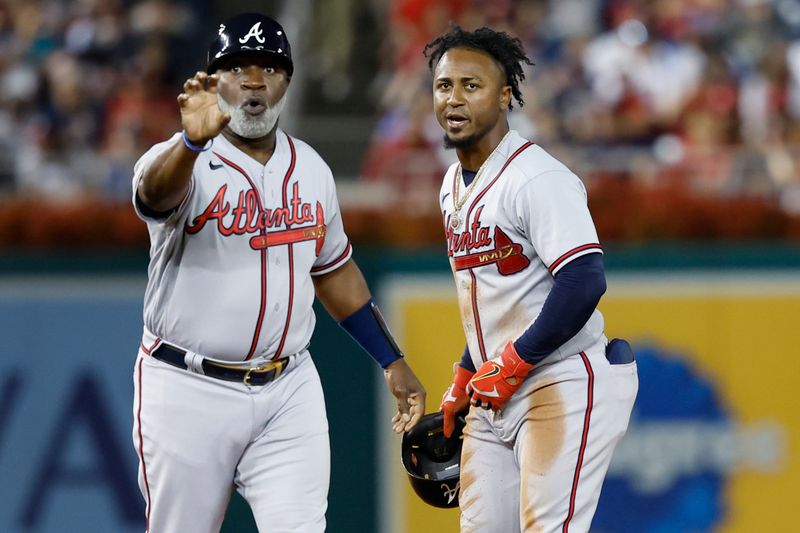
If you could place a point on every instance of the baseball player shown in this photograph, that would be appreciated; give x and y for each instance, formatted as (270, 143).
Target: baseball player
(550, 400)
(245, 229)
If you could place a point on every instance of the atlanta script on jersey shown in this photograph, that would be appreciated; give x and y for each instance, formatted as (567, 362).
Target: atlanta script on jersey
(229, 270)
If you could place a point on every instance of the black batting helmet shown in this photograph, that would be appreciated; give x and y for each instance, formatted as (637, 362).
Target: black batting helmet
(432, 461)
(250, 33)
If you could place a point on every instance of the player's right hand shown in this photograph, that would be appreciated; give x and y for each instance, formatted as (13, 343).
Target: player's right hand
(498, 379)
(201, 117)
(455, 398)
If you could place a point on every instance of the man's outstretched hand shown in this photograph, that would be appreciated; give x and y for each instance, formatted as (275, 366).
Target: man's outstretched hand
(408, 391)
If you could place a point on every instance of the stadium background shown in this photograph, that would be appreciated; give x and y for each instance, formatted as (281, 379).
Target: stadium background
(681, 116)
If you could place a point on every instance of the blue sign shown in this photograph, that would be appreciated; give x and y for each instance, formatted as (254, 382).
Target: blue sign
(67, 461)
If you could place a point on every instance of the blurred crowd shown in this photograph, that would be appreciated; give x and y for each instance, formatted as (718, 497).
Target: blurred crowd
(85, 87)
(702, 94)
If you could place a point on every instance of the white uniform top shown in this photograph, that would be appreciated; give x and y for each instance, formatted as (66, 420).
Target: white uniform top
(230, 270)
(525, 218)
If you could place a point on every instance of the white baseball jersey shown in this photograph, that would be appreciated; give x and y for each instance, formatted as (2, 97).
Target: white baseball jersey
(230, 270)
(538, 463)
(523, 220)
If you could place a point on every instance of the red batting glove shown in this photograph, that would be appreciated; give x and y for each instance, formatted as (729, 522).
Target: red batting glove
(455, 399)
(498, 379)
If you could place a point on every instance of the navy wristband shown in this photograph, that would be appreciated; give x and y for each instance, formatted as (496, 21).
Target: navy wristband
(193, 147)
(466, 360)
(369, 330)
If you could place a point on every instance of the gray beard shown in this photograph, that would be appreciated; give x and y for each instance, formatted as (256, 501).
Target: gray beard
(249, 126)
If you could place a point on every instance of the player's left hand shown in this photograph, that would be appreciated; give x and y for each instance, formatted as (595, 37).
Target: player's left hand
(408, 391)
(498, 379)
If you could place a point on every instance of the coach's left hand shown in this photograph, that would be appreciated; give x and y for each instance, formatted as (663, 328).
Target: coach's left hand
(408, 391)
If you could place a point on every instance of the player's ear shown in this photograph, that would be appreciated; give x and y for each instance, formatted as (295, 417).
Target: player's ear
(505, 97)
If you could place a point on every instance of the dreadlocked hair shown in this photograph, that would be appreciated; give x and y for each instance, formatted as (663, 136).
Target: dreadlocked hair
(506, 50)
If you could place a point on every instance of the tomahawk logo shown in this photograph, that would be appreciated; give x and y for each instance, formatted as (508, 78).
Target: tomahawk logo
(256, 32)
(449, 493)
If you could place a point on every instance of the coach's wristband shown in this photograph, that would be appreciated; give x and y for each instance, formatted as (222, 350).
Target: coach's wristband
(193, 147)
(369, 330)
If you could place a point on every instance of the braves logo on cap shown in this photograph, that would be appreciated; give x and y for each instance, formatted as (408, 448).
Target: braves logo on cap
(255, 32)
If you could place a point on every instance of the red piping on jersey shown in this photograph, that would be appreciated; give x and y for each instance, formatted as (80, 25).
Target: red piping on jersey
(141, 444)
(149, 350)
(584, 438)
(486, 189)
(579, 249)
(328, 265)
(455, 177)
(477, 316)
(263, 306)
(291, 252)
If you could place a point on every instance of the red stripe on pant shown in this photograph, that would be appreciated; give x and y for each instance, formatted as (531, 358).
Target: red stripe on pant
(584, 438)
(141, 451)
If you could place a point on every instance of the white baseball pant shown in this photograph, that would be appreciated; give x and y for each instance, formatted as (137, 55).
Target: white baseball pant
(538, 464)
(199, 437)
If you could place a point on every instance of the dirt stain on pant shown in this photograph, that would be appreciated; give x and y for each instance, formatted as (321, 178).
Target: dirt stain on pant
(543, 433)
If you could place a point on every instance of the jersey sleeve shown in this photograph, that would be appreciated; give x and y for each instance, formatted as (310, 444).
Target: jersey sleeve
(336, 250)
(138, 171)
(552, 209)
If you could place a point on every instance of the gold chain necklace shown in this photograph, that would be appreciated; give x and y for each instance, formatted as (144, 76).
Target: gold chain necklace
(458, 203)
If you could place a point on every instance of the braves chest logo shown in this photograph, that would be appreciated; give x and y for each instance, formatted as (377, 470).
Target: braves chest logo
(249, 218)
(507, 255)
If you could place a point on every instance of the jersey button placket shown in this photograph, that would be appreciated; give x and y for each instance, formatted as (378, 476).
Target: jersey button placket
(269, 202)
(272, 189)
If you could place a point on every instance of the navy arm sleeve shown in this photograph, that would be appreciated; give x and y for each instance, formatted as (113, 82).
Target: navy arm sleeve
(572, 300)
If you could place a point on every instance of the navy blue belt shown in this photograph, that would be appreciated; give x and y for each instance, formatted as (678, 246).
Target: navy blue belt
(259, 375)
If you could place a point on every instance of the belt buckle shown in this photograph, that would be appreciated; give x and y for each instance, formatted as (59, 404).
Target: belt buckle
(266, 367)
